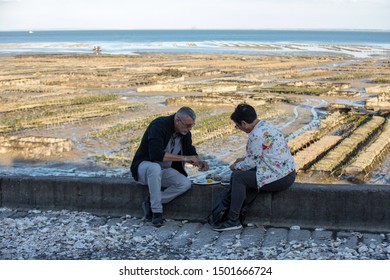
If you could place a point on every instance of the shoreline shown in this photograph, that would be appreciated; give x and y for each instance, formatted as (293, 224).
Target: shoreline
(358, 50)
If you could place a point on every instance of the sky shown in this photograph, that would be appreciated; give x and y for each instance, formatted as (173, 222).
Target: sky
(193, 14)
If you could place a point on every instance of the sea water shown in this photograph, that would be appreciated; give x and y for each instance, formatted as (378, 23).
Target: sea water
(194, 41)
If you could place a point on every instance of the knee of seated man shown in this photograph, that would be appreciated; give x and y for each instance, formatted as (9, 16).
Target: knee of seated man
(186, 184)
(154, 169)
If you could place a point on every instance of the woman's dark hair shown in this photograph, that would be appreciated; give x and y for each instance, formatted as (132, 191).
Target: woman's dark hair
(244, 112)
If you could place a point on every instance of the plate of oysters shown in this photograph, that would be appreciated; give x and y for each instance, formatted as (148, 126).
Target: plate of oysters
(210, 179)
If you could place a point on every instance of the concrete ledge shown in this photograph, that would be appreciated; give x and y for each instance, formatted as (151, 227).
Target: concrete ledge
(339, 207)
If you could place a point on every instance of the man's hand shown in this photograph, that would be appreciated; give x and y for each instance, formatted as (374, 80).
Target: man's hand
(202, 165)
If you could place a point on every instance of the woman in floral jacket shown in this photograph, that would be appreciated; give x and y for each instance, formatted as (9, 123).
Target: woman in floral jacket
(268, 164)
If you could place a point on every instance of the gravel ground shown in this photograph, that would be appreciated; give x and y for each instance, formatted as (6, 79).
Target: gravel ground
(36, 234)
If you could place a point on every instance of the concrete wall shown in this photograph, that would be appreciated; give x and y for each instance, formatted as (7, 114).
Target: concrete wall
(356, 207)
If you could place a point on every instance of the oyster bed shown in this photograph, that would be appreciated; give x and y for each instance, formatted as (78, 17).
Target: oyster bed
(99, 106)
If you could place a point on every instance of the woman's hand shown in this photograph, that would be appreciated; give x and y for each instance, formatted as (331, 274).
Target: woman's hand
(233, 166)
(239, 159)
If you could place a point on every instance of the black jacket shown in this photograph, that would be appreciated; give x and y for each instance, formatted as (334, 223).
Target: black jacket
(154, 142)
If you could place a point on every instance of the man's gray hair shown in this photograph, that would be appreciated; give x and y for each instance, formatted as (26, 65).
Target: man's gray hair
(186, 111)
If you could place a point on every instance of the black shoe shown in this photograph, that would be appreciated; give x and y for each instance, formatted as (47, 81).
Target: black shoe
(157, 219)
(228, 225)
(147, 210)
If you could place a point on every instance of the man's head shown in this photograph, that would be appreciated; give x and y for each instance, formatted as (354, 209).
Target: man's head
(243, 116)
(184, 120)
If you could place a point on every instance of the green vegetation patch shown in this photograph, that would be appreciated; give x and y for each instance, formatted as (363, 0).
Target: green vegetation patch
(307, 90)
(350, 76)
(72, 110)
(172, 72)
(381, 80)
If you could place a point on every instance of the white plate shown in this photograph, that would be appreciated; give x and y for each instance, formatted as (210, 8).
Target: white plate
(204, 182)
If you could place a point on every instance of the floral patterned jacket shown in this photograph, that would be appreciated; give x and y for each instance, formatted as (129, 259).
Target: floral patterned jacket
(267, 152)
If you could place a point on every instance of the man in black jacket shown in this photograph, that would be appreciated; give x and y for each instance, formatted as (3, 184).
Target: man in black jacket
(159, 161)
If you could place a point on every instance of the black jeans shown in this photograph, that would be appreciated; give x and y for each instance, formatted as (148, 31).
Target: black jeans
(241, 181)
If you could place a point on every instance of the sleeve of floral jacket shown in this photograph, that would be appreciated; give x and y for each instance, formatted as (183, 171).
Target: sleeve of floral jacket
(254, 151)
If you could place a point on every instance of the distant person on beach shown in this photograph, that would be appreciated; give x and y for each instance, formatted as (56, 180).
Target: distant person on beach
(267, 165)
(97, 49)
(159, 161)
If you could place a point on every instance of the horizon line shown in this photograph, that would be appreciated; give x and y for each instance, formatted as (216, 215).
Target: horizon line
(206, 29)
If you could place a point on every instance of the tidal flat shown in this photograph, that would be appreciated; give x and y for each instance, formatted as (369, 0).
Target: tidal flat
(84, 114)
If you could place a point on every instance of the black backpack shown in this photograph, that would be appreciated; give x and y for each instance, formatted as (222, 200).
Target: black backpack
(221, 208)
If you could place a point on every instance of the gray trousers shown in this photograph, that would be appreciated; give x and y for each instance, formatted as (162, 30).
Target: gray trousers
(164, 184)
(241, 181)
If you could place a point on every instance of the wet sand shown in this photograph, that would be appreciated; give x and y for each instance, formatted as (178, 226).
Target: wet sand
(103, 103)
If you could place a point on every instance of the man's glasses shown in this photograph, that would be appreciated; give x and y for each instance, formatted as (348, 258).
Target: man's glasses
(188, 125)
